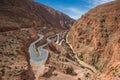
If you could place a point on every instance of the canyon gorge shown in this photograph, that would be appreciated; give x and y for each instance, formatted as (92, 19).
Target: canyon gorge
(38, 42)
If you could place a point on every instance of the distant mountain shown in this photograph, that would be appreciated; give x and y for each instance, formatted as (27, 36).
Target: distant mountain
(95, 37)
(19, 12)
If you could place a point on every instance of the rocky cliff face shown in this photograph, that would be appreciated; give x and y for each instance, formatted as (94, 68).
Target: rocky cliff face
(95, 37)
(17, 12)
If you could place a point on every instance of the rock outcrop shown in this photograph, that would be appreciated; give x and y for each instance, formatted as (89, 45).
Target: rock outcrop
(95, 37)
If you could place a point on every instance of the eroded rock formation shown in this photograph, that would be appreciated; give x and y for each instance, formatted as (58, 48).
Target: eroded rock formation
(95, 36)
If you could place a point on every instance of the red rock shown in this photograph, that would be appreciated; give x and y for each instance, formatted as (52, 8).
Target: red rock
(17, 12)
(96, 36)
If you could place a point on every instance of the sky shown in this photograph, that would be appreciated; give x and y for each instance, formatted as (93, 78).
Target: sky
(73, 8)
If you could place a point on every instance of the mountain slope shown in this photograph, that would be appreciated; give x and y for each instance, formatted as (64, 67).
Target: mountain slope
(17, 12)
(95, 37)
(20, 23)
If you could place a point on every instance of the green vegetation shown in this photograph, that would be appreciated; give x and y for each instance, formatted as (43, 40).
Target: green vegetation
(98, 67)
(89, 69)
(81, 57)
(115, 70)
(66, 33)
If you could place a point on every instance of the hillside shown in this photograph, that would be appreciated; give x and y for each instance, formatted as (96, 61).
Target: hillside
(89, 50)
(95, 38)
(20, 23)
(27, 12)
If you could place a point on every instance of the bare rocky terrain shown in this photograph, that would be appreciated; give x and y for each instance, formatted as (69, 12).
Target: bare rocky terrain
(62, 64)
(14, 56)
(95, 39)
(88, 51)
(20, 23)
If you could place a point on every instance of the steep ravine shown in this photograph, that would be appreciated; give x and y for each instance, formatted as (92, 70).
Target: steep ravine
(95, 38)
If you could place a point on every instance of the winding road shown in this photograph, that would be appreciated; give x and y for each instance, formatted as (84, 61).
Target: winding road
(58, 37)
(79, 61)
(43, 53)
(40, 55)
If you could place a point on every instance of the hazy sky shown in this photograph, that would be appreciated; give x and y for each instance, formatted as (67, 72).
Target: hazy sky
(73, 8)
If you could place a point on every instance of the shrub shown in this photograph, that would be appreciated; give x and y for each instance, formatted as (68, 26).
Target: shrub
(81, 57)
